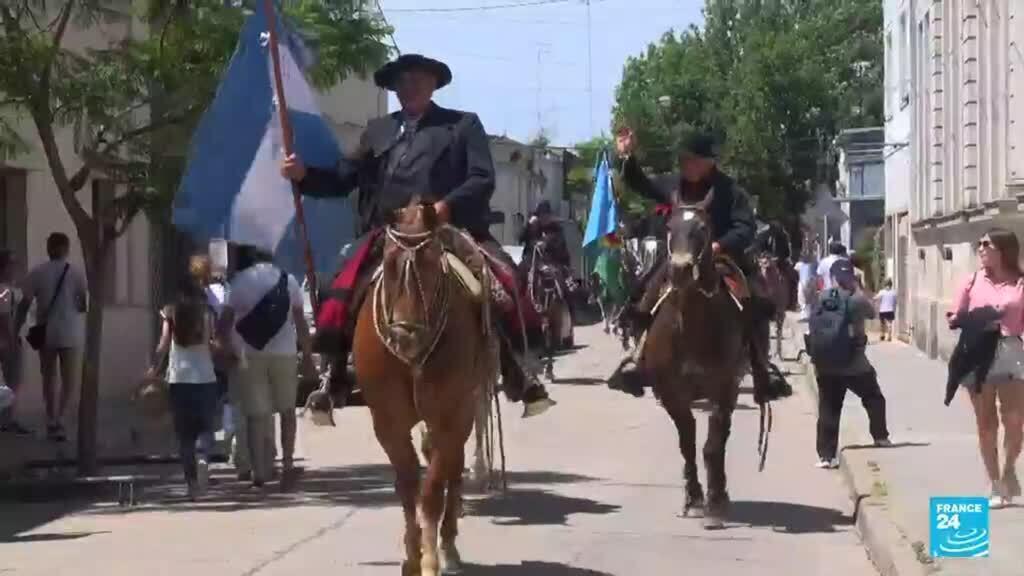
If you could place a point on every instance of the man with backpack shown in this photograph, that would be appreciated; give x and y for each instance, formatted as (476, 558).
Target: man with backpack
(836, 343)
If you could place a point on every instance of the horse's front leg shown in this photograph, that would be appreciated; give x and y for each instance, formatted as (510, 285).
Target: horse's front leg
(400, 451)
(679, 410)
(719, 427)
(479, 471)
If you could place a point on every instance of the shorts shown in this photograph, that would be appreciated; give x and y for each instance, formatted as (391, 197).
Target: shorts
(268, 384)
(887, 316)
(1008, 364)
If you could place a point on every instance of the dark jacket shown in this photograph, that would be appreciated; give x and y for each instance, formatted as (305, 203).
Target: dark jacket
(975, 350)
(731, 216)
(448, 158)
(773, 239)
(557, 249)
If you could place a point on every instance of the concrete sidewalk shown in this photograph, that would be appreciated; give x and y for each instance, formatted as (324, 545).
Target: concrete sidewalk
(935, 454)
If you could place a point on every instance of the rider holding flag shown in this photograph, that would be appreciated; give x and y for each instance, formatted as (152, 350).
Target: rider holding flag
(734, 229)
(436, 155)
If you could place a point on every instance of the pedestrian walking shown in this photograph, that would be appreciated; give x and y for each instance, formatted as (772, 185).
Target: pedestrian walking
(997, 286)
(807, 287)
(263, 315)
(10, 346)
(188, 327)
(836, 252)
(836, 343)
(59, 291)
(886, 309)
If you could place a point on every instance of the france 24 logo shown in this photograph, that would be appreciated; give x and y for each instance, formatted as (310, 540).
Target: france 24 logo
(959, 527)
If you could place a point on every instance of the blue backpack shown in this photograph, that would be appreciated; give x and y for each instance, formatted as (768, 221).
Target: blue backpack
(829, 341)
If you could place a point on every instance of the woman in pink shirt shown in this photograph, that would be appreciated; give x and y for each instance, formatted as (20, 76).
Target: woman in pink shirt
(999, 284)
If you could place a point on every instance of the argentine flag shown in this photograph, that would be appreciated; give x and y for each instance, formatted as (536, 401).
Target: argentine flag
(232, 187)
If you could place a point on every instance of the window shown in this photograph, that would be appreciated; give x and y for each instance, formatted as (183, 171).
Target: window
(904, 58)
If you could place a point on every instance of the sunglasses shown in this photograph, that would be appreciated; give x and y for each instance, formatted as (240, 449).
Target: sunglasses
(986, 244)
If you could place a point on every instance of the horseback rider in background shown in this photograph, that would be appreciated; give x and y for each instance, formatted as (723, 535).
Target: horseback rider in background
(733, 228)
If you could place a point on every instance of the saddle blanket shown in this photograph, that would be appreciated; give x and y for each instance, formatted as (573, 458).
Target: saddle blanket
(334, 314)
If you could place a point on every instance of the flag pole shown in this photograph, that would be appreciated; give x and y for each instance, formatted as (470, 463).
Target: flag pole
(287, 137)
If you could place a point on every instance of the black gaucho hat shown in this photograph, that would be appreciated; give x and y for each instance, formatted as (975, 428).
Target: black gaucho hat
(387, 76)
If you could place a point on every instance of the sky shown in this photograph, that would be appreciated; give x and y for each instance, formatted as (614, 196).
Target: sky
(506, 61)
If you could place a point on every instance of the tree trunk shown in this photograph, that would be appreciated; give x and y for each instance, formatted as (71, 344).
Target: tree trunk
(88, 405)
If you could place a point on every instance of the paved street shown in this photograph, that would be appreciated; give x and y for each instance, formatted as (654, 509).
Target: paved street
(595, 488)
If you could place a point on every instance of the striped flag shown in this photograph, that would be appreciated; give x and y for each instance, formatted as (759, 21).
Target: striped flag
(232, 187)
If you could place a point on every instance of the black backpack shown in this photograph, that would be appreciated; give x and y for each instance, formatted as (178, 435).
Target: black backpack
(829, 341)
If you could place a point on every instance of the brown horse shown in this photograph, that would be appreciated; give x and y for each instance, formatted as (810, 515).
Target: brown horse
(695, 350)
(546, 291)
(422, 349)
(777, 285)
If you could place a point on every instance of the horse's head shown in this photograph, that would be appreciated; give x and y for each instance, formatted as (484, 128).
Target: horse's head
(411, 297)
(689, 241)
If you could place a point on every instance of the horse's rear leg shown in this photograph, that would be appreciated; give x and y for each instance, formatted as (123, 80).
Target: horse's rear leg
(719, 426)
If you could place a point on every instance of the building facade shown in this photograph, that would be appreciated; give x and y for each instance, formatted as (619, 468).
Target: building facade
(524, 177)
(30, 209)
(958, 81)
(860, 190)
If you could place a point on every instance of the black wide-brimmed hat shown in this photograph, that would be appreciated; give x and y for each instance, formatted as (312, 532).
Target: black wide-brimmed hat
(697, 143)
(388, 74)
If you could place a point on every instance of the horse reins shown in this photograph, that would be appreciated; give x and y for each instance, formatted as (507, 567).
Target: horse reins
(411, 244)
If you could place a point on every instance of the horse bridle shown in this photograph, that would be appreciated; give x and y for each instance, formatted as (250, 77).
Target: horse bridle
(699, 211)
(411, 244)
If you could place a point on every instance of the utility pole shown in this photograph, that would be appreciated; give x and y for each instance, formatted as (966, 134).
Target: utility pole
(590, 68)
(541, 50)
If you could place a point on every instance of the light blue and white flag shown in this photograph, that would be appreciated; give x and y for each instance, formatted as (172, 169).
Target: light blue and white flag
(232, 187)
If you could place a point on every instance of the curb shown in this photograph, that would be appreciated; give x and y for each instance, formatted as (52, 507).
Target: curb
(887, 544)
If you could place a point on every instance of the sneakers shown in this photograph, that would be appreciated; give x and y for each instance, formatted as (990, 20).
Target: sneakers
(997, 500)
(537, 407)
(883, 443)
(827, 463)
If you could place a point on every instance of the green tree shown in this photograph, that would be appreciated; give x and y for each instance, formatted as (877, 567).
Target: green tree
(131, 104)
(774, 81)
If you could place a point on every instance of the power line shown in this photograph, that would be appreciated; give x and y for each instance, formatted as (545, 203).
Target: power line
(481, 8)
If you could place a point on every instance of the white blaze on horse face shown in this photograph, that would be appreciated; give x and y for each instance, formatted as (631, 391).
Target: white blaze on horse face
(689, 215)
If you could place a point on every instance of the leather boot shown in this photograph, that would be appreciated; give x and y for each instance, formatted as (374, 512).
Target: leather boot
(766, 388)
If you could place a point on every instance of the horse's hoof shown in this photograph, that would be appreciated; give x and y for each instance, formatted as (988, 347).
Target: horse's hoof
(713, 523)
(451, 562)
(694, 508)
(410, 569)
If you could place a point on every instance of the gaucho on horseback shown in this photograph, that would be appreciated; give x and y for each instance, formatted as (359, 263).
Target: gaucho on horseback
(733, 230)
(439, 156)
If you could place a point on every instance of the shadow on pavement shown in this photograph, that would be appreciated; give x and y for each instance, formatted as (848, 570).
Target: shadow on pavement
(787, 517)
(529, 569)
(364, 486)
(528, 507)
(47, 537)
(579, 381)
(893, 445)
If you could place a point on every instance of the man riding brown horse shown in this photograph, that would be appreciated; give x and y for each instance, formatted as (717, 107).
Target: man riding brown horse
(732, 223)
(443, 157)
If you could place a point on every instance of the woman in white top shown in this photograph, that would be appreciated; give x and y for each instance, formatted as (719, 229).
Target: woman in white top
(188, 326)
(887, 309)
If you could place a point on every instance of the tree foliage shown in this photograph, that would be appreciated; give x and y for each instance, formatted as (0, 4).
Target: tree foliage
(774, 81)
(131, 98)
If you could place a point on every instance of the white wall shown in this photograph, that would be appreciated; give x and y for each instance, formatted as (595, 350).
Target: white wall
(898, 110)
